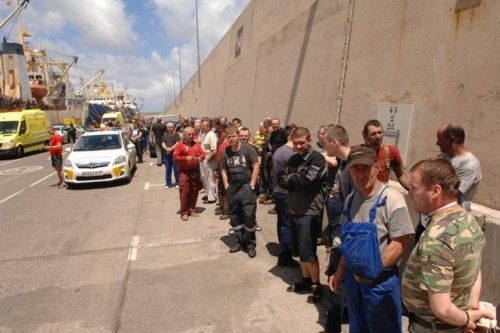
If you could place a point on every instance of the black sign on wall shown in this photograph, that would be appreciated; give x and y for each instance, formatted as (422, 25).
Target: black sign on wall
(239, 39)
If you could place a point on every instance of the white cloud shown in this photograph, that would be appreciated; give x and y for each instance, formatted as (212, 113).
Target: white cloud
(100, 33)
(97, 23)
(179, 21)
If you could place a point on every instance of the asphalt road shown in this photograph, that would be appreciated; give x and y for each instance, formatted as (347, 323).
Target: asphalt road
(117, 258)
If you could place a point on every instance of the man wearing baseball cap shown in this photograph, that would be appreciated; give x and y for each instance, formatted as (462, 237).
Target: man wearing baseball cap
(375, 232)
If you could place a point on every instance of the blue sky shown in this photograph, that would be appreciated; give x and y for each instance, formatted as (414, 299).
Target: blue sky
(133, 41)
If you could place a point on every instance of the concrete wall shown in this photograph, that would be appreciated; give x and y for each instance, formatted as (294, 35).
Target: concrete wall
(444, 63)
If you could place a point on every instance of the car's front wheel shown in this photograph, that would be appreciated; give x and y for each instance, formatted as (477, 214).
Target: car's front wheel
(19, 151)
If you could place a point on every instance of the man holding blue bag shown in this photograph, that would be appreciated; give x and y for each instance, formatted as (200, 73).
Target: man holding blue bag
(375, 233)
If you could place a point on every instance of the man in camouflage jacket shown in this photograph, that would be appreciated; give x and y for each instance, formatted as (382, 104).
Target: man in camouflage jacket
(442, 279)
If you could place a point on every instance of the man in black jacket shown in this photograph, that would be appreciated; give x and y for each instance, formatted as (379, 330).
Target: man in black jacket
(158, 130)
(304, 179)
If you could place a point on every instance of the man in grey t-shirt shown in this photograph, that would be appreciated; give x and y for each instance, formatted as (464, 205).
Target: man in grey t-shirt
(450, 139)
(374, 302)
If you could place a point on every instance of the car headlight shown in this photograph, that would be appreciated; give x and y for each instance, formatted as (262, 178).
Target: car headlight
(9, 143)
(68, 164)
(119, 159)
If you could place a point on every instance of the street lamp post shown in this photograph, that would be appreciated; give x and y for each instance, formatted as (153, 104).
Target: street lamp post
(180, 72)
(173, 84)
(198, 43)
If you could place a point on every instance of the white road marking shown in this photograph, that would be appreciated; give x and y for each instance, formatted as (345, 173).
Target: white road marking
(8, 162)
(146, 186)
(21, 170)
(41, 180)
(154, 185)
(132, 252)
(11, 196)
(172, 242)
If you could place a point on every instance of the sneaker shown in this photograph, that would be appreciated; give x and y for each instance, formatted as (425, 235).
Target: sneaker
(316, 292)
(302, 287)
(272, 211)
(166, 186)
(287, 262)
(176, 186)
(185, 217)
(224, 217)
(251, 252)
(236, 248)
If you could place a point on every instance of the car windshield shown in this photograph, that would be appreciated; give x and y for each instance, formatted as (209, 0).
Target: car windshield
(8, 127)
(98, 142)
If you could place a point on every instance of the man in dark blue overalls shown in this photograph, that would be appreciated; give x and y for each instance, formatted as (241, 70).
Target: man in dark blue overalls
(375, 232)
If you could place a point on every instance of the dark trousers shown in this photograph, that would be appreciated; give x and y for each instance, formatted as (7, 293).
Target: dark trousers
(221, 194)
(170, 166)
(334, 315)
(138, 149)
(283, 225)
(190, 185)
(266, 166)
(242, 207)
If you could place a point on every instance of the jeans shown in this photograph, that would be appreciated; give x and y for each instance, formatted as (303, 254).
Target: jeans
(169, 166)
(283, 225)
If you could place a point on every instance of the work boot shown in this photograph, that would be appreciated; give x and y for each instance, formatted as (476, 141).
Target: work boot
(236, 248)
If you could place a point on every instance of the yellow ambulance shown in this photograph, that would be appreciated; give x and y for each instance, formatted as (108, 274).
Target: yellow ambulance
(23, 131)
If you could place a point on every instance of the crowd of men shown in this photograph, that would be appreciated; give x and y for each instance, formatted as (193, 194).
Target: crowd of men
(369, 223)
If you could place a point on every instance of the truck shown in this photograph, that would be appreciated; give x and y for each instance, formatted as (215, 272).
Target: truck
(113, 117)
(23, 131)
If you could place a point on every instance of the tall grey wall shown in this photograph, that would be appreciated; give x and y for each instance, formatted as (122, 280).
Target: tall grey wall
(433, 63)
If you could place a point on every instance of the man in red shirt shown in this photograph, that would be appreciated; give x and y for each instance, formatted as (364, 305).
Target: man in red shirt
(388, 155)
(55, 149)
(188, 154)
